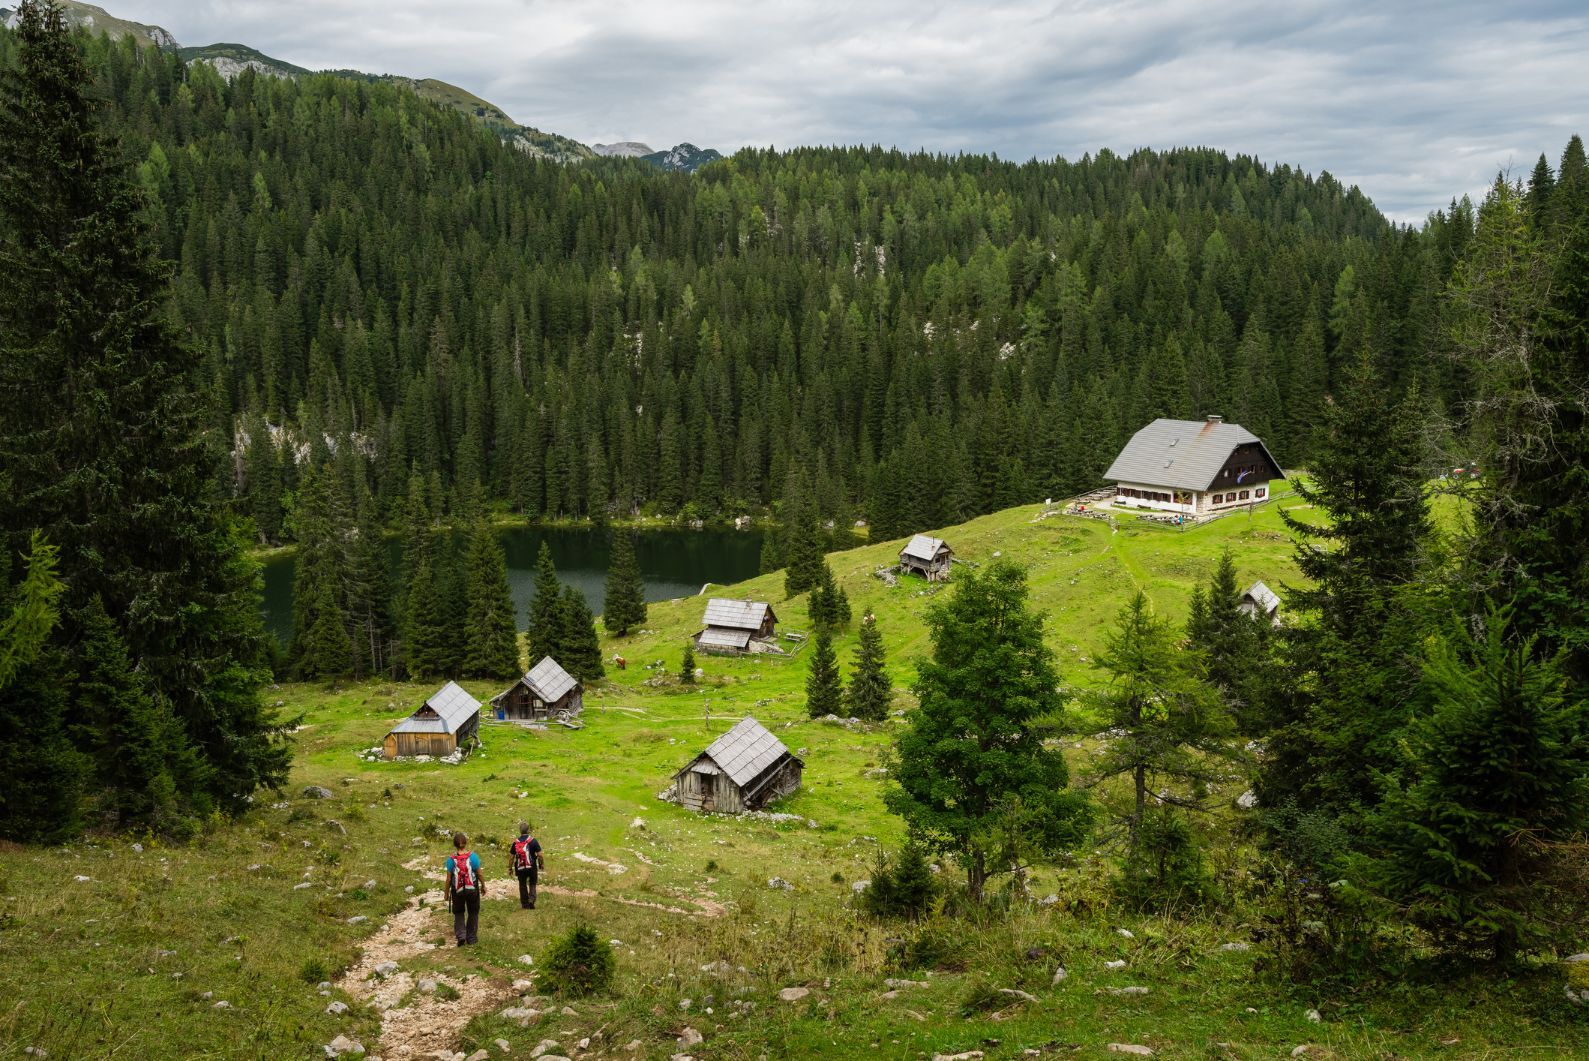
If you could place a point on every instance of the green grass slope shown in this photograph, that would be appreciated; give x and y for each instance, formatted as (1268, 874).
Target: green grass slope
(111, 950)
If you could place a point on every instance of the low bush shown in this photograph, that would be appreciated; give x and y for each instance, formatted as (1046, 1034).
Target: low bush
(578, 963)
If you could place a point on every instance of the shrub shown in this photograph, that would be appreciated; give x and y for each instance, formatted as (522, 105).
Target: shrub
(903, 888)
(314, 971)
(578, 963)
(1166, 870)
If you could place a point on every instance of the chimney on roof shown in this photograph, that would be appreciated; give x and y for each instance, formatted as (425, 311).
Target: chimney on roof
(1215, 418)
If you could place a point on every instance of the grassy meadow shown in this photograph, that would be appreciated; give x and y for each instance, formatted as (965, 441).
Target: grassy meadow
(107, 950)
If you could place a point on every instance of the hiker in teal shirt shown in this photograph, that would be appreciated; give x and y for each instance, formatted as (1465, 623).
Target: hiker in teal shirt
(464, 889)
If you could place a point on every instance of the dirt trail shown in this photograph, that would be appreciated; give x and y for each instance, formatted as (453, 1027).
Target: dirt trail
(427, 1023)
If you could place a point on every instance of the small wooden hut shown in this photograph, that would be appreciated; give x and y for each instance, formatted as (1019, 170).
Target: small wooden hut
(545, 691)
(744, 769)
(1258, 599)
(735, 627)
(927, 557)
(443, 724)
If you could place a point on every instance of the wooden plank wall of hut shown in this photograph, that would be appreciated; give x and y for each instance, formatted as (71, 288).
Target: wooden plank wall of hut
(437, 744)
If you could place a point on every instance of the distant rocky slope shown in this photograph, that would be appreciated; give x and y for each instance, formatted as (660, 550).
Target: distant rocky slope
(97, 18)
(686, 157)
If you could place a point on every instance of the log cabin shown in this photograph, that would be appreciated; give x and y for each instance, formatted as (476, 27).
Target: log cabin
(744, 769)
(449, 720)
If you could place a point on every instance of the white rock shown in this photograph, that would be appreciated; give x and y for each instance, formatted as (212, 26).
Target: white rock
(479, 1055)
(370, 885)
(794, 994)
(691, 1037)
(1014, 992)
(522, 1014)
(1059, 975)
(1117, 964)
(386, 969)
(222, 1004)
(1124, 933)
(302, 886)
(638, 823)
(337, 1008)
(1247, 800)
(82, 879)
(860, 886)
(207, 995)
(137, 848)
(521, 986)
(1575, 958)
(772, 882)
(543, 1047)
(35, 1051)
(1129, 992)
(893, 983)
(1314, 1016)
(358, 919)
(967, 1055)
(343, 1045)
(569, 1011)
(525, 959)
(503, 1045)
(1235, 947)
(426, 987)
(1130, 1048)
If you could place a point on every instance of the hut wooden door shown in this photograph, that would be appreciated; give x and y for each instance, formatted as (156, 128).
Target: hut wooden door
(708, 784)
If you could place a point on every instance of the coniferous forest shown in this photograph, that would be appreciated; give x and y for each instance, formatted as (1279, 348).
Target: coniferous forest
(381, 319)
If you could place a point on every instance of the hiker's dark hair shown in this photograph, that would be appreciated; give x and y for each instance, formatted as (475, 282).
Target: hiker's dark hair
(460, 841)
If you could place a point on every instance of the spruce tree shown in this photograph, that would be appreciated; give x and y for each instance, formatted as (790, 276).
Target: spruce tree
(626, 591)
(802, 548)
(576, 646)
(546, 620)
(972, 747)
(424, 624)
(324, 651)
(1229, 643)
(106, 437)
(870, 692)
(1496, 774)
(824, 692)
(491, 636)
(687, 664)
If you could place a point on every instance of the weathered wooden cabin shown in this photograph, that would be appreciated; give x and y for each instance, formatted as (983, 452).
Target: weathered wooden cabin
(447, 721)
(927, 557)
(735, 627)
(545, 691)
(1258, 599)
(744, 769)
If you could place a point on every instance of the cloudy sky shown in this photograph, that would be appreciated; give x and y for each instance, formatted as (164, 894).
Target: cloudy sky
(1414, 101)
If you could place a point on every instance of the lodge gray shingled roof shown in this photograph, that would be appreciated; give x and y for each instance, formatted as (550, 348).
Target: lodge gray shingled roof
(922, 547)
(735, 614)
(1180, 454)
(745, 751)
(1262, 596)
(549, 681)
(451, 703)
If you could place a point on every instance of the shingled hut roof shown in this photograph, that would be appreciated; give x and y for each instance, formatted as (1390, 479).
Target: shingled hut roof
(736, 614)
(745, 751)
(923, 547)
(453, 708)
(1180, 454)
(549, 681)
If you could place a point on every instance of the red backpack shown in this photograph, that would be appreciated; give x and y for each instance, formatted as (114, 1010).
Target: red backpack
(521, 853)
(462, 874)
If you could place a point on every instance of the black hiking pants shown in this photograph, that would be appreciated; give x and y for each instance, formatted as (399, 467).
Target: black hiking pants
(466, 915)
(527, 877)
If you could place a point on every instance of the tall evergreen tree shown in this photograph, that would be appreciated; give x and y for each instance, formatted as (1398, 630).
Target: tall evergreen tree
(824, 690)
(971, 747)
(802, 548)
(104, 444)
(1230, 644)
(626, 591)
(425, 618)
(577, 646)
(491, 635)
(546, 619)
(870, 692)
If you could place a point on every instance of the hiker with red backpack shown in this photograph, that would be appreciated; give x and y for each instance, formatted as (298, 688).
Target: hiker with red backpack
(525, 860)
(464, 890)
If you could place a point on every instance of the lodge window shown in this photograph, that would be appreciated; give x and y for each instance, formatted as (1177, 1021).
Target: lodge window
(1243, 495)
(1219, 499)
(1260, 492)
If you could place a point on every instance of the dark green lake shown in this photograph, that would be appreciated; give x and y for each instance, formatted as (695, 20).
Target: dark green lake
(673, 563)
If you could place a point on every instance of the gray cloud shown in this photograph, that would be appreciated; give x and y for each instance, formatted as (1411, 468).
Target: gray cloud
(1415, 102)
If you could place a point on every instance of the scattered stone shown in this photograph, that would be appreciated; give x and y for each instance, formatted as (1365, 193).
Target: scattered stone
(1573, 959)
(479, 1055)
(503, 1045)
(632, 1045)
(332, 823)
(1235, 947)
(1314, 1016)
(386, 969)
(317, 792)
(542, 1048)
(1059, 975)
(137, 849)
(638, 823)
(772, 882)
(1130, 1048)
(860, 886)
(525, 959)
(568, 1011)
(336, 1009)
(717, 968)
(222, 1004)
(690, 1037)
(1128, 992)
(36, 1051)
(370, 885)
(893, 983)
(206, 996)
(1124, 933)
(82, 879)
(1117, 964)
(522, 1014)
(1048, 900)
(794, 994)
(358, 919)
(426, 987)
(408, 889)
(1015, 992)
(301, 886)
(967, 1055)
(343, 1045)
(1247, 800)
(521, 986)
